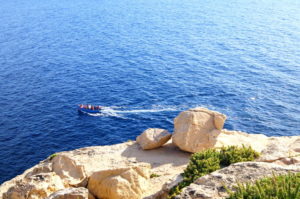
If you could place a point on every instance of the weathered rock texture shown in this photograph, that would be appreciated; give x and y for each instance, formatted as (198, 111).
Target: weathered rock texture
(126, 183)
(282, 150)
(116, 169)
(197, 129)
(35, 186)
(153, 138)
(70, 193)
(69, 170)
(167, 161)
(211, 186)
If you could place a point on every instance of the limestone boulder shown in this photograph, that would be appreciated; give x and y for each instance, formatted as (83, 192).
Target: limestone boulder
(69, 170)
(211, 186)
(70, 193)
(120, 183)
(197, 129)
(153, 138)
(37, 186)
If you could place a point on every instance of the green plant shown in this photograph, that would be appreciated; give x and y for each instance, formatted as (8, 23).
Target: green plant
(234, 154)
(201, 164)
(154, 175)
(276, 187)
(210, 160)
(52, 156)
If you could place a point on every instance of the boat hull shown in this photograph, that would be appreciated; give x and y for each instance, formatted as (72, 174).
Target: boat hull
(84, 110)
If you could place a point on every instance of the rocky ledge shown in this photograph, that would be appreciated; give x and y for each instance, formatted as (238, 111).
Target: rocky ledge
(151, 166)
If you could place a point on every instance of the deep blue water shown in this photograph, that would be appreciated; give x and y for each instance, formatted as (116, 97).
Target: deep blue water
(150, 59)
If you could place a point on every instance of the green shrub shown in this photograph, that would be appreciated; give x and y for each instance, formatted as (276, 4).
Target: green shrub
(52, 156)
(201, 164)
(210, 160)
(276, 187)
(154, 175)
(234, 154)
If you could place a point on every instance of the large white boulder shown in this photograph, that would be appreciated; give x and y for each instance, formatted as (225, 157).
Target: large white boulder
(120, 183)
(153, 138)
(197, 129)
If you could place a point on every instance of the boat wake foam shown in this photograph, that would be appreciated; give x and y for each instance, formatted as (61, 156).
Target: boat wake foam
(115, 112)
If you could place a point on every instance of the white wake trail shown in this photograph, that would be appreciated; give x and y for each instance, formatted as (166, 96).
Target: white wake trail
(109, 111)
(145, 110)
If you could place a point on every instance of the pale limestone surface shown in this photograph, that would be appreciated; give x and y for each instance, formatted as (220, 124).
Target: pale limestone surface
(227, 138)
(69, 170)
(166, 161)
(282, 150)
(197, 129)
(211, 186)
(70, 193)
(153, 138)
(130, 182)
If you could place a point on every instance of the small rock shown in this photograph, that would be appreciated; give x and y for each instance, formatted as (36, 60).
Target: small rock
(153, 138)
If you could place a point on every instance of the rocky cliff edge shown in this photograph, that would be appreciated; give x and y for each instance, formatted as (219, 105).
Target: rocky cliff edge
(127, 170)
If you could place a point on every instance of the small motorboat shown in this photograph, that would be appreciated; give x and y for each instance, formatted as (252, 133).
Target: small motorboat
(89, 108)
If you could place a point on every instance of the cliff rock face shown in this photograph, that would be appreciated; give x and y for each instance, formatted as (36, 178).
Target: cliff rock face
(123, 170)
(282, 150)
(35, 186)
(69, 170)
(197, 129)
(120, 164)
(70, 193)
(211, 186)
(153, 138)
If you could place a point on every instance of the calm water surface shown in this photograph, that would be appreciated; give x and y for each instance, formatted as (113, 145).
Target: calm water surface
(146, 60)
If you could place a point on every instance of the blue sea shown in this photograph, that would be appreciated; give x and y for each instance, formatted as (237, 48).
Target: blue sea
(146, 61)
